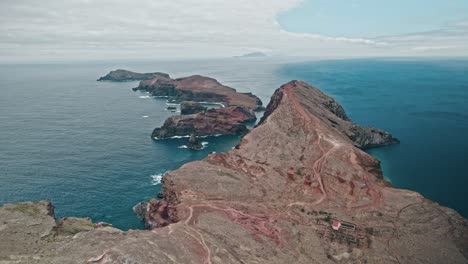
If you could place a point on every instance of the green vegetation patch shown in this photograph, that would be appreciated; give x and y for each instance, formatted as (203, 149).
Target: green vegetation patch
(25, 208)
(74, 225)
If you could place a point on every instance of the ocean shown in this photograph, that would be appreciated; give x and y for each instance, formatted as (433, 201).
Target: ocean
(86, 146)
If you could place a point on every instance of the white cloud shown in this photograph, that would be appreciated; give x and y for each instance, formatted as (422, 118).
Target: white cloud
(432, 48)
(451, 39)
(32, 29)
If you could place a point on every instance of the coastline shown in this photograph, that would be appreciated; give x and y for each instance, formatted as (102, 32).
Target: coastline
(340, 177)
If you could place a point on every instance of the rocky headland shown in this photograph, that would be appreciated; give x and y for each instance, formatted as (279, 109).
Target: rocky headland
(215, 121)
(296, 189)
(199, 89)
(124, 76)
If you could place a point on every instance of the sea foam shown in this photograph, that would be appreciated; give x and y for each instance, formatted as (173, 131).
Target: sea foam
(204, 144)
(156, 179)
(187, 136)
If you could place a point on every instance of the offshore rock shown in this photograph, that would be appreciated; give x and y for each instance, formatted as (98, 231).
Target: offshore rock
(194, 143)
(124, 76)
(189, 108)
(215, 121)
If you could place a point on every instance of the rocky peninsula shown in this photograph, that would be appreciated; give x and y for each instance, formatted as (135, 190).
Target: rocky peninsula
(296, 189)
(199, 89)
(124, 76)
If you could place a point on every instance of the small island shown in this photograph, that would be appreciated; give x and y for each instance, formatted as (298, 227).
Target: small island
(125, 76)
(215, 121)
(256, 54)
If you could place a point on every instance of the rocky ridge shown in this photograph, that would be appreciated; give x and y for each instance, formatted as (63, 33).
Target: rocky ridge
(199, 89)
(295, 190)
(331, 113)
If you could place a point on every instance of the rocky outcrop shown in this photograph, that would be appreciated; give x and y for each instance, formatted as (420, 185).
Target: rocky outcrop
(199, 89)
(69, 226)
(219, 121)
(295, 190)
(194, 143)
(124, 75)
(189, 108)
(155, 213)
(29, 234)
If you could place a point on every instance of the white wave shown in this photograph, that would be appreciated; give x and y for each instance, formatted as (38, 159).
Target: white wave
(204, 144)
(156, 179)
(174, 137)
(215, 135)
(145, 116)
(172, 104)
(187, 136)
(212, 103)
(144, 96)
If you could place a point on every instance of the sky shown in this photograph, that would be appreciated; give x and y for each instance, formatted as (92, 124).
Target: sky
(152, 29)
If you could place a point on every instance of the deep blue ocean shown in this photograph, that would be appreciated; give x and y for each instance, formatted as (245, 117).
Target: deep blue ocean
(86, 145)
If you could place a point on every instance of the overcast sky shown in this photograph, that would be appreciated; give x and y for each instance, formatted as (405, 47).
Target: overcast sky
(123, 29)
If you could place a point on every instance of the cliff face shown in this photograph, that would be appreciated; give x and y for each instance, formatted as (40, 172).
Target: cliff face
(295, 190)
(124, 75)
(200, 89)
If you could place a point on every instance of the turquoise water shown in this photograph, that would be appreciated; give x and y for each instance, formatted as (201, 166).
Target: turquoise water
(85, 145)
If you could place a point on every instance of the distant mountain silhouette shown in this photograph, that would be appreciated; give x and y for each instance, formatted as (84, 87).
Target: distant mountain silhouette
(257, 54)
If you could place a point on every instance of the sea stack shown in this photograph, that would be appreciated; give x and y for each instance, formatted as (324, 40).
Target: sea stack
(194, 143)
